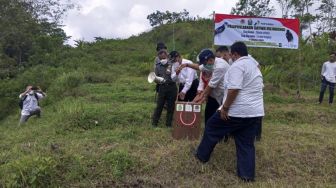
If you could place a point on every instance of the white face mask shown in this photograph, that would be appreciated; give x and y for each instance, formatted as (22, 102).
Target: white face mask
(164, 61)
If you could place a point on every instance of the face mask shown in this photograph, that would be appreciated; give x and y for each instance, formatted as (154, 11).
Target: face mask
(164, 61)
(209, 67)
(31, 92)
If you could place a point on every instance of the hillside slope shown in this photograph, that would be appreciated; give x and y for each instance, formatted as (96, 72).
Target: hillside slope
(95, 129)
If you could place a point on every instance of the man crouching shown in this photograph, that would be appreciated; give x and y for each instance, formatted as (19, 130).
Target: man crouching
(29, 103)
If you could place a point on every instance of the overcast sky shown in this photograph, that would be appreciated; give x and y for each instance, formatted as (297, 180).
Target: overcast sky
(123, 18)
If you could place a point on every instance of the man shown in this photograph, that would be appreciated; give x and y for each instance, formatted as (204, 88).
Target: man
(29, 100)
(223, 52)
(240, 113)
(167, 90)
(328, 76)
(187, 78)
(159, 46)
(212, 90)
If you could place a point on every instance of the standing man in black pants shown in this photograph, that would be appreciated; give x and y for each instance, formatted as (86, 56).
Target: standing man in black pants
(328, 77)
(239, 114)
(187, 78)
(167, 90)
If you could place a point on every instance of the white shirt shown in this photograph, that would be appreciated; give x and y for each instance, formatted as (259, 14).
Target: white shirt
(186, 76)
(217, 79)
(245, 76)
(30, 104)
(329, 71)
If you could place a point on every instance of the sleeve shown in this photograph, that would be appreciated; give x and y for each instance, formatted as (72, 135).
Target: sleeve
(201, 83)
(156, 70)
(323, 68)
(173, 73)
(217, 76)
(235, 78)
(39, 96)
(190, 73)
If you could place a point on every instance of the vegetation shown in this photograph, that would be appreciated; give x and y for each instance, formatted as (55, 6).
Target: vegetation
(95, 128)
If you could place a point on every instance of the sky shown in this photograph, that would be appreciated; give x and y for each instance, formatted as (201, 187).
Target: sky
(124, 18)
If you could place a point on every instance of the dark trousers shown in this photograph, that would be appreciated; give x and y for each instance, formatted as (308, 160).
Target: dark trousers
(243, 130)
(191, 93)
(210, 108)
(324, 85)
(167, 93)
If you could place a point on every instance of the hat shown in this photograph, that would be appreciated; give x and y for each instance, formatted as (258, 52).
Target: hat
(173, 55)
(160, 46)
(205, 55)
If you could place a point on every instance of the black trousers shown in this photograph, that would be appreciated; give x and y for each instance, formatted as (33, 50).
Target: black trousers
(210, 108)
(167, 93)
(191, 93)
(324, 85)
(244, 132)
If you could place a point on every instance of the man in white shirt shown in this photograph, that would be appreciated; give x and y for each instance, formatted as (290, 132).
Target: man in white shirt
(211, 90)
(187, 78)
(240, 113)
(29, 103)
(328, 76)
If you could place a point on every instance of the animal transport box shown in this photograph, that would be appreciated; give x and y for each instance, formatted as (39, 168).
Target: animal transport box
(187, 120)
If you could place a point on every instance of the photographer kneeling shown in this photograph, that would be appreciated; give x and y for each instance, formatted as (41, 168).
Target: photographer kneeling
(29, 103)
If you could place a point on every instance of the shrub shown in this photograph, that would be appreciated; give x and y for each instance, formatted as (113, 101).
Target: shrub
(30, 171)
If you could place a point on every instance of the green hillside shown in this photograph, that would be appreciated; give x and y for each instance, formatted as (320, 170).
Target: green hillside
(95, 128)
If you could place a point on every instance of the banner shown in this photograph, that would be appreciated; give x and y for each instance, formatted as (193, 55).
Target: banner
(257, 31)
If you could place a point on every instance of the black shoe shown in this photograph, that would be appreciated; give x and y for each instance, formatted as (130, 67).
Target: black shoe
(194, 153)
(246, 180)
(258, 138)
(226, 138)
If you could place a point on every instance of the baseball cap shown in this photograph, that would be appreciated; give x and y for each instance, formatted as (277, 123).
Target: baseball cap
(205, 55)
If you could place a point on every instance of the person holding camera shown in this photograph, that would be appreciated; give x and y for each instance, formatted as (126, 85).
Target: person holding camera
(29, 103)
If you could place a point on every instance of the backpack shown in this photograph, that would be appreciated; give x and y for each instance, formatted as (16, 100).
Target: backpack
(24, 98)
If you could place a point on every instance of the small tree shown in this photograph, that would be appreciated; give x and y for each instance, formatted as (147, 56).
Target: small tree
(253, 8)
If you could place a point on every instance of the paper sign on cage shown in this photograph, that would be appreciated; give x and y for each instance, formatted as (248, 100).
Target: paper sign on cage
(187, 120)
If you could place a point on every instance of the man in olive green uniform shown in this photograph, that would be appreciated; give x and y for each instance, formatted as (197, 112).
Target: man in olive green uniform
(167, 90)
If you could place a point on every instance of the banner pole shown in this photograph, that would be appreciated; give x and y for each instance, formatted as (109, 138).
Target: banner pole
(298, 93)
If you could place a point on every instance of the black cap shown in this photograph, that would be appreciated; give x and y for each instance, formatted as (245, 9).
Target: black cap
(173, 55)
(160, 46)
(205, 55)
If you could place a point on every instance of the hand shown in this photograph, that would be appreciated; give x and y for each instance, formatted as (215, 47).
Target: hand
(181, 95)
(29, 88)
(198, 98)
(177, 70)
(224, 113)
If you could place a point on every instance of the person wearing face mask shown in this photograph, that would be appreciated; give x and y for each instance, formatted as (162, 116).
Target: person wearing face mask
(239, 114)
(29, 103)
(167, 90)
(187, 78)
(211, 91)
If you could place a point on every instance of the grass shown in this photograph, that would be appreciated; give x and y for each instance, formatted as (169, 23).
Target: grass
(102, 138)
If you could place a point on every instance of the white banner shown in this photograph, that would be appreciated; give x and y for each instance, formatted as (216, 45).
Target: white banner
(257, 31)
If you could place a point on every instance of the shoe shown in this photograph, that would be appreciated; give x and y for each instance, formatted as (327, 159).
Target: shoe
(258, 138)
(246, 180)
(194, 153)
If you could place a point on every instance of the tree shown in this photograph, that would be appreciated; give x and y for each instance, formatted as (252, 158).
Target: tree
(159, 18)
(285, 6)
(30, 28)
(326, 16)
(253, 8)
(302, 11)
